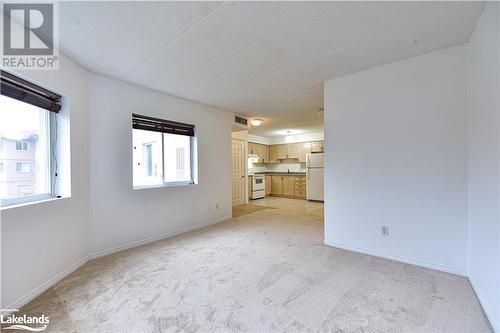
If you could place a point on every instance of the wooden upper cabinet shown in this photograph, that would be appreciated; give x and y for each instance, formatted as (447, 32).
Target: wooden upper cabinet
(273, 154)
(264, 153)
(317, 146)
(288, 151)
(292, 150)
(253, 148)
(282, 151)
(304, 148)
(288, 185)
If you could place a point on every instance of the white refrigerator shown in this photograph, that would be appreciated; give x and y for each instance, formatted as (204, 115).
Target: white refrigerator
(315, 171)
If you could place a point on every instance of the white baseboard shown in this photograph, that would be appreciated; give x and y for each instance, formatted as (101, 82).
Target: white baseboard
(130, 245)
(52, 281)
(46, 285)
(486, 307)
(417, 262)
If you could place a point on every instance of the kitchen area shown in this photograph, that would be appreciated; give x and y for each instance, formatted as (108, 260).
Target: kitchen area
(290, 170)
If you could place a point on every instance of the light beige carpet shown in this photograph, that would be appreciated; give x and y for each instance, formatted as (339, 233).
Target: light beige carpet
(264, 272)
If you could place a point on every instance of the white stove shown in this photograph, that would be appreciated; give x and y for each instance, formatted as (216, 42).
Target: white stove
(258, 186)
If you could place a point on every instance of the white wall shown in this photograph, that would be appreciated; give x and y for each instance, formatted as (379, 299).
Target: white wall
(41, 241)
(483, 115)
(258, 139)
(120, 216)
(314, 136)
(396, 155)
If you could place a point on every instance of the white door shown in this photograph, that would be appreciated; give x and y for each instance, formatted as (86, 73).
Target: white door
(314, 184)
(238, 172)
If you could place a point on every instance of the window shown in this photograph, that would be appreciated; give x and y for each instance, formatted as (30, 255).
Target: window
(22, 145)
(27, 113)
(23, 180)
(163, 152)
(25, 189)
(23, 167)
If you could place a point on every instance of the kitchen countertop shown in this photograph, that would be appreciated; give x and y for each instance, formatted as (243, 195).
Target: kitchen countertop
(281, 173)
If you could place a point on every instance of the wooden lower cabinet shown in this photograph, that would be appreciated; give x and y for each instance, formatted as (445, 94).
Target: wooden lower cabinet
(300, 187)
(276, 185)
(268, 185)
(289, 186)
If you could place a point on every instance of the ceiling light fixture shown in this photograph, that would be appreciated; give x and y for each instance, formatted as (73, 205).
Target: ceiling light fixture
(288, 137)
(256, 122)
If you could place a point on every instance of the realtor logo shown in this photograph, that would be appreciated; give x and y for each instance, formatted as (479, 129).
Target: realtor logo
(9, 320)
(29, 36)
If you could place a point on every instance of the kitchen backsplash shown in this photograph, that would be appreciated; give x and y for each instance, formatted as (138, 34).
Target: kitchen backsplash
(280, 167)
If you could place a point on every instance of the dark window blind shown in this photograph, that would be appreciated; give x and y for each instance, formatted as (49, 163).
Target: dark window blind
(27, 92)
(160, 125)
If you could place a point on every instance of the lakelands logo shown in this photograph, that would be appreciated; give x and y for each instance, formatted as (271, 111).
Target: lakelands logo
(30, 35)
(28, 323)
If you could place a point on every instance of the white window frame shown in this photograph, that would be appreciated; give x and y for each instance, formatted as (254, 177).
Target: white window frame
(191, 181)
(28, 145)
(193, 166)
(51, 137)
(22, 167)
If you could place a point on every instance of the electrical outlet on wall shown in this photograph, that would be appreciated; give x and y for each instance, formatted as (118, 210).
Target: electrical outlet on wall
(384, 230)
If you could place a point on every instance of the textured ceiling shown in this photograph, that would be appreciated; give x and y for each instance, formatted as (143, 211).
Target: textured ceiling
(266, 59)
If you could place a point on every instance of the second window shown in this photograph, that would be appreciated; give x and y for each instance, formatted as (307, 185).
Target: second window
(162, 152)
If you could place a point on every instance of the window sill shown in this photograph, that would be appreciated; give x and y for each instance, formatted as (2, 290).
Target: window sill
(147, 187)
(30, 203)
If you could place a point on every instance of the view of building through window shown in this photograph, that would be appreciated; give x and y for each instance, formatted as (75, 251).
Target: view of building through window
(147, 158)
(161, 158)
(22, 145)
(24, 149)
(177, 150)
